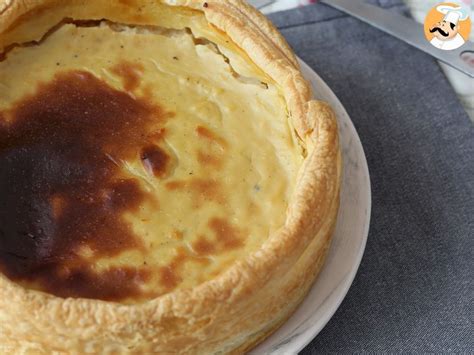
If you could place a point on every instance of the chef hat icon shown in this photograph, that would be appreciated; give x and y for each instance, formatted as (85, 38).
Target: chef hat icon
(453, 14)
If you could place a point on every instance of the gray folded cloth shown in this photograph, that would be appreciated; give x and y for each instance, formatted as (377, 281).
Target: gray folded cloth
(414, 289)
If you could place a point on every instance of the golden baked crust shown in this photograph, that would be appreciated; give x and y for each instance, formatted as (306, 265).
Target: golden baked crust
(240, 307)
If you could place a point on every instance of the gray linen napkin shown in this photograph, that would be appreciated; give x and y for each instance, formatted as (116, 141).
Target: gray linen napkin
(414, 289)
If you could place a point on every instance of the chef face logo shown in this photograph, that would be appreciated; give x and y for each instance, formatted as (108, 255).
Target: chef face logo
(447, 26)
(444, 30)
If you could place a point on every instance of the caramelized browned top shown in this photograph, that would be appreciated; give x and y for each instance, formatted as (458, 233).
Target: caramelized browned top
(62, 188)
(130, 74)
(155, 159)
(124, 180)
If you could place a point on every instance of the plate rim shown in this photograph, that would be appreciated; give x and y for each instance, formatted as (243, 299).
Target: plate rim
(302, 340)
(351, 276)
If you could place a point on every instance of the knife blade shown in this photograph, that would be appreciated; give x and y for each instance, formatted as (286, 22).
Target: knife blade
(404, 29)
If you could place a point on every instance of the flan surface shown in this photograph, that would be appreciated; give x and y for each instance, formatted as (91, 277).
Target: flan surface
(136, 159)
(168, 184)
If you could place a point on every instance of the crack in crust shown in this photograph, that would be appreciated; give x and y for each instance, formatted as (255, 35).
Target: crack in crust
(52, 30)
(119, 27)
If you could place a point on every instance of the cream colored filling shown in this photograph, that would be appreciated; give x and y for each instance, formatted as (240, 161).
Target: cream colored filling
(257, 155)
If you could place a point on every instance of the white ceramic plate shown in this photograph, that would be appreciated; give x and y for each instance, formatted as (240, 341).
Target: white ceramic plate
(348, 244)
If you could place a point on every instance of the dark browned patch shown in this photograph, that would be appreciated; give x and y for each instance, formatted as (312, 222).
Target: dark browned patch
(147, 91)
(130, 73)
(177, 234)
(169, 278)
(61, 188)
(115, 283)
(206, 190)
(206, 133)
(202, 246)
(155, 160)
(175, 185)
(209, 159)
(159, 134)
(171, 275)
(58, 204)
(227, 235)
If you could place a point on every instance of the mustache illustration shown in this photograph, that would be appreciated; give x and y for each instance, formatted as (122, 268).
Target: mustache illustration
(444, 34)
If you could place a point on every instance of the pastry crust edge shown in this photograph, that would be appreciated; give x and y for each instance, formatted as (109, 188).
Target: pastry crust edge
(236, 310)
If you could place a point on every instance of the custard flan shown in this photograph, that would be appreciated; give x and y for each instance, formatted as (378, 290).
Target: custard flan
(168, 184)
